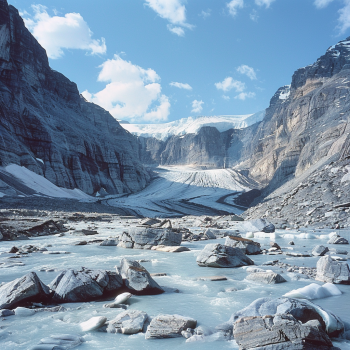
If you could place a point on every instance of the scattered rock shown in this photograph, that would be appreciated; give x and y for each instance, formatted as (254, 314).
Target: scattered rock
(24, 289)
(332, 271)
(137, 279)
(319, 250)
(247, 246)
(256, 225)
(170, 249)
(169, 326)
(110, 242)
(336, 239)
(218, 255)
(266, 277)
(128, 322)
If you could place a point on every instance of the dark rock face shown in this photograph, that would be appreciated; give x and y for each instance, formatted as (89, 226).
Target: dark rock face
(84, 285)
(21, 290)
(42, 116)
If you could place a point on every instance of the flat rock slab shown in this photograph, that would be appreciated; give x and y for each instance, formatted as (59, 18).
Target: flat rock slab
(158, 274)
(299, 255)
(170, 249)
(266, 277)
(218, 255)
(169, 326)
(213, 278)
(21, 290)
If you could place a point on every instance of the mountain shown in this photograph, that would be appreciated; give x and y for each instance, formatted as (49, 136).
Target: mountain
(192, 125)
(47, 127)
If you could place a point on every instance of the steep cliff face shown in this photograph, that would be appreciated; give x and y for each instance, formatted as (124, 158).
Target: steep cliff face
(305, 125)
(46, 126)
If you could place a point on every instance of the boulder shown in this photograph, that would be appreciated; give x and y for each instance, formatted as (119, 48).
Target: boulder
(332, 271)
(218, 255)
(24, 289)
(209, 234)
(256, 225)
(149, 221)
(93, 323)
(85, 285)
(301, 310)
(319, 250)
(147, 237)
(263, 332)
(110, 242)
(266, 277)
(169, 326)
(128, 322)
(336, 239)
(247, 246)
(137, 279)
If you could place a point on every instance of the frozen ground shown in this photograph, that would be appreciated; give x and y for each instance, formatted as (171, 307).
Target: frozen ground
(204, 300)
(187, 191)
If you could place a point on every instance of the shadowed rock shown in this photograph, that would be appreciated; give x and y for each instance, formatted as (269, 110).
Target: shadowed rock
(247, 246)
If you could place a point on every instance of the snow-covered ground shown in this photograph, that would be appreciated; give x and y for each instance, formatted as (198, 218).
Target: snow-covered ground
(184, 190)
(191, 125)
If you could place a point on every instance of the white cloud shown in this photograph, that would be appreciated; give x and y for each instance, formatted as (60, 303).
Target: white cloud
(132, 92)
(248, 71)
(344, 17)
(205, 14)
(267, 3)
(58, 33)
(322, 3)
(181, 85)
(233, 6)
(172, 10)
(254, 16)
(229, 83)
(176, 30)
(243, 95)
(225, 97)
(197, 106)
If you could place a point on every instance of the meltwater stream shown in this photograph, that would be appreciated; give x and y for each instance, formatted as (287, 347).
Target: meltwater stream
(206, 301)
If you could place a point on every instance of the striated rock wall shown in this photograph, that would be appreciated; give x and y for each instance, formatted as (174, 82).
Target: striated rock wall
(46, 126)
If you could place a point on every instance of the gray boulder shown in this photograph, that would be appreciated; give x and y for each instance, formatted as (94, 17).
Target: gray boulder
(279, 332)
(247, 246)
(332, 271)
(137, 279)
(218, 255)
(336, 239)
(21, 290)
(266, 277)
(147, 237)
(319, 250)
(256, 225)
(209, 234)
(301, 310)
(110, 242)
(85, 285)
(128, 322)
(169, 326)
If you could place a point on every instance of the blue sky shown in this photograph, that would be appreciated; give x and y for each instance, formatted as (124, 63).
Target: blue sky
(161, 60)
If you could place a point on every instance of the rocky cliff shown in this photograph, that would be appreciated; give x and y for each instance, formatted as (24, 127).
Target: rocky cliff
(46, 126)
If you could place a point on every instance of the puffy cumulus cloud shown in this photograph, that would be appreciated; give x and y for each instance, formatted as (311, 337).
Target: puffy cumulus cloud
(205, 14)
(132, 92)
(233, 6)
(181, 85)
(248, 71)
(197, 106)
(322, 3)
(244, 95)
(229, 83)
(172, 10)
(58, 33)
(265, 3)
(344, 17)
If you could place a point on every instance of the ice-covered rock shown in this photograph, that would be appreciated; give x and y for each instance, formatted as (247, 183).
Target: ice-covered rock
(247, 246)
(93, 323)
(280, 332)
(332, 271)
(137, 279)
(314, 291)
(319, 250)
(265, 277)
(110, 242)
(59, 342)
(171, 249)
(23, 311)
(256, 225)
(128, 322)
(218, 255)
(6, 313)
(336, 239)
(84, 284)
(21, 290)
(147, 237)
(169, 326)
